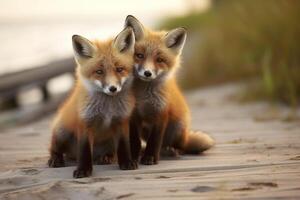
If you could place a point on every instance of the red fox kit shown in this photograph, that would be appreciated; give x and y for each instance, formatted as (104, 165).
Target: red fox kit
(161, 116)
(100, 106)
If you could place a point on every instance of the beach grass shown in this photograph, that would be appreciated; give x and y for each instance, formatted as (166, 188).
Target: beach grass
(245, 40)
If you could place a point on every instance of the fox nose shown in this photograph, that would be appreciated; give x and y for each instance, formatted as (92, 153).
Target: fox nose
(112, 89)
(147, 73)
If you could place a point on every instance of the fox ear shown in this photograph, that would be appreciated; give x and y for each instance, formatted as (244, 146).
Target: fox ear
(175, 39)
(83, 48)
(125, 40)
(136, 25)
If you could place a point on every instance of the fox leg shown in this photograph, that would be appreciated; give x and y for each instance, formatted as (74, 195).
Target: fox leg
(84, 156)
(60, 144)
(104, 153)
(154, 142)
(124, 153)
(174, 138)
(135, 138)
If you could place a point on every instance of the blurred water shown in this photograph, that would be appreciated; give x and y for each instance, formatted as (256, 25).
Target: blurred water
(33, 32)
(29, 43)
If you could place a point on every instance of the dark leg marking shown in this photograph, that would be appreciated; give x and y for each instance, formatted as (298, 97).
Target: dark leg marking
(84, 158)
(124, 154)
(168, 151)
(173, 139)
(56, 160)
(135, 140)
(60, 144)
(154, 143)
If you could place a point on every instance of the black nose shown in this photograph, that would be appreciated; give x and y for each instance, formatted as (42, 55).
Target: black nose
(147, 73)
(112, 88)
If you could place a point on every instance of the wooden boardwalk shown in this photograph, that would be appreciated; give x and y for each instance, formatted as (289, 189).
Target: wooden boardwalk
(257, 156)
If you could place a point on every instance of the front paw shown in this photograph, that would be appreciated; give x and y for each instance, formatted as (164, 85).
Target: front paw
(149, 160)
(169, 152)
(104, 160)
(129, 165)
(81, 173)
(56, 161)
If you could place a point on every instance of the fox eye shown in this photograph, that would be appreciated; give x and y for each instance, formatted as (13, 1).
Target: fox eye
(139, 55)
(119, 69)
(159, 60)
(99, 71)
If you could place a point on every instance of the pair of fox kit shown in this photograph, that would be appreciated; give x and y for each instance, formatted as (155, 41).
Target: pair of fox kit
(125, 91)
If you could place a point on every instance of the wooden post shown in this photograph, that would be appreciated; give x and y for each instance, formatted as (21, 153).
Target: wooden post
(45, 92)
(12, 83)
(9, 103)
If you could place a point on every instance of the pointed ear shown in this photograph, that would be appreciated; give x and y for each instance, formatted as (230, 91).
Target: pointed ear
(175, 39)
(83, 48)
(136, 25)
(125, 40)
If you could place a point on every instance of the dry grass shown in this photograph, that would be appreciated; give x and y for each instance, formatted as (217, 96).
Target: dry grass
(246, 39)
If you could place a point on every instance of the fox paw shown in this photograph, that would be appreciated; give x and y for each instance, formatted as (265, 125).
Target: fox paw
(81, 173)
(56, 161)
(149, 160)
(129, 165)
(169, 152)
(104, 160)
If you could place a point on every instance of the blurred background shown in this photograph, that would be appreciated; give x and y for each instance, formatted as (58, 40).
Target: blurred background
(250, 41)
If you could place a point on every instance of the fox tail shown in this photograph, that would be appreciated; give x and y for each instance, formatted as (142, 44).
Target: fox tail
(197, 142)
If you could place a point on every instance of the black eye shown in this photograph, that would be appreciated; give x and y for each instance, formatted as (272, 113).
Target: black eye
(119, 69)
(99, 71)
(159, 60)
(139, 55)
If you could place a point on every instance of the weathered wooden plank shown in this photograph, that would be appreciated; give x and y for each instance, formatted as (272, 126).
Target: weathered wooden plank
(17, 117)
(252, 160)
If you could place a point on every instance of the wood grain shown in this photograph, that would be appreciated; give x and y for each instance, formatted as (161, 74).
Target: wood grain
(257, 156)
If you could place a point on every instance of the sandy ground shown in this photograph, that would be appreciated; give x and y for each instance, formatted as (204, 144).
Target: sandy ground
(257, 156)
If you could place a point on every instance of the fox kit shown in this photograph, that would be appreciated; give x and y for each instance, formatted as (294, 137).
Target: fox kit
(161, 116)
(99, 108)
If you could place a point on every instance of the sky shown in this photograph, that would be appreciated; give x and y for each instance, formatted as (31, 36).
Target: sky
(30, 9)
(33, 32)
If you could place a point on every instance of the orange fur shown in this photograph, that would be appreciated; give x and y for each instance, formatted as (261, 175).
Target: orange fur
(159, 52)
(69, 113)
(100, 105)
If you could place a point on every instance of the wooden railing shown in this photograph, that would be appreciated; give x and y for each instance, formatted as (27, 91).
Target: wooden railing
(37, 77)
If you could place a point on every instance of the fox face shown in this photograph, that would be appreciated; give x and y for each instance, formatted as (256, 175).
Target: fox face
(156, 53)
(105, 66)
